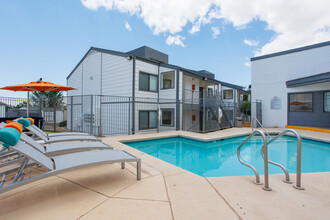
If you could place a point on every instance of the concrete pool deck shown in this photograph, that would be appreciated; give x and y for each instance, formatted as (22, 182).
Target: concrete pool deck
(167, 191)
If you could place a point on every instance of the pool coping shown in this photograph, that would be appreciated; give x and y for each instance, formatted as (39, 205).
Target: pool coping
(229, 188)
(217, 138)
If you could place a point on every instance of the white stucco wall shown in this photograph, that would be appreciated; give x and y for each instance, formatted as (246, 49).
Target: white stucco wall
(269, 77)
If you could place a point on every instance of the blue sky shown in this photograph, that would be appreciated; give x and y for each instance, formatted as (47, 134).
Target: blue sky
(48, 38)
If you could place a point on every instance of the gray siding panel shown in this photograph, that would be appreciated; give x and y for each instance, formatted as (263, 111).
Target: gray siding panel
(317, 118)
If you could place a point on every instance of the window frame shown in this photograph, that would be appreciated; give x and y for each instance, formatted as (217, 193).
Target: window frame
(149, 75)
(223, 93)
(161, 121)
(296, 93)
(148, 127)
(162, 80)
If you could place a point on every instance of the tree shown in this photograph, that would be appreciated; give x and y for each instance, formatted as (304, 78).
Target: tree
(48, 99)
(21, 105)
(245, 108)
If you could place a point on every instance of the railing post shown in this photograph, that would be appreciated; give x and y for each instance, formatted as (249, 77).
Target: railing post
(71, 113)
(265, 148)
(100, 116)
(298, 181)
(91, 117)
(54, 114)
(203, 126)
(129, 115)
(82, 113)
(266, 186)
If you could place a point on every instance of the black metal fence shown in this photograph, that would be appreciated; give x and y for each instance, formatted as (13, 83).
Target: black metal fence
(111, 115)
(11, 107)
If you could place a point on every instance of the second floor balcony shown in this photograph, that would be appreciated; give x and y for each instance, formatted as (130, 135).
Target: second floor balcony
(192, 99)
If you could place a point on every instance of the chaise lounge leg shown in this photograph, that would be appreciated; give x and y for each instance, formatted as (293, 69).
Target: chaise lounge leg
(138, 169)
(123, 165)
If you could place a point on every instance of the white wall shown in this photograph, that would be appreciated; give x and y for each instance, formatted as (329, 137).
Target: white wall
(188, 94)
(116, 75)
(269, 78)
(92, 74)
(75, 81)
(187, 122)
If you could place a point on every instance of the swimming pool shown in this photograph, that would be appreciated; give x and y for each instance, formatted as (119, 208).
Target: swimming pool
(219, 158)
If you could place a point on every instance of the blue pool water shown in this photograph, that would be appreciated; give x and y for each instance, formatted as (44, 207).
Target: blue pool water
(219, 158)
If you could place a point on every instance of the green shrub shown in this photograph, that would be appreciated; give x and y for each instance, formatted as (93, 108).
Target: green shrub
(62, 124)
(246, 108)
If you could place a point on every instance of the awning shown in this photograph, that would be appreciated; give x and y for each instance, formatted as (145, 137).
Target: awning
(309, 80)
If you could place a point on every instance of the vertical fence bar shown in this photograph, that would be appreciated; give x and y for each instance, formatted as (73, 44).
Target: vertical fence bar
(54, 114)
(203, 125)
(129, 115)
(71, 110)
(91, 116)
(82, 113)
(100, 116)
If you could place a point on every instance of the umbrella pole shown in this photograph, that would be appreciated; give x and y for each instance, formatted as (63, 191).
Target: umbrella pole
(54, 114)
(42, 119)
(28, 105)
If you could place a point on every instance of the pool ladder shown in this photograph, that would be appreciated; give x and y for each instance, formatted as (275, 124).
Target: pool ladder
(264, 153)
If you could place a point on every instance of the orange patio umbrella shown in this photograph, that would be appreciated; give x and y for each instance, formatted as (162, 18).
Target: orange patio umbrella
(38, 86)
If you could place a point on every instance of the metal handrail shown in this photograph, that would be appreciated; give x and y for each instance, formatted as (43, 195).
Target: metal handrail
(263, 128)
(266, 187)
(287, 176)
(298, 181)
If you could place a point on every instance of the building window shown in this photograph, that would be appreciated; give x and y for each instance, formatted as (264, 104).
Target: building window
(228, 94)
(168, 80)
(209, 91)
(147, 120)
(301, 102)
(167, 117)
(148, 82)
(326, 101)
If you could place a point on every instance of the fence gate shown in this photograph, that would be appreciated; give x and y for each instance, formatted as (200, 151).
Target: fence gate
(258, 111)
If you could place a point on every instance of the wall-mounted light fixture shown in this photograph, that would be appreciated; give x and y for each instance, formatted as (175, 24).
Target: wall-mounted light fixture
(129, 57)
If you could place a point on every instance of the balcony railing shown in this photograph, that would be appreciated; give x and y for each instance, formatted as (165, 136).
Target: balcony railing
(195, 97)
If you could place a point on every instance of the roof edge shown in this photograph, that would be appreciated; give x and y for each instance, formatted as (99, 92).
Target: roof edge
(299, 49)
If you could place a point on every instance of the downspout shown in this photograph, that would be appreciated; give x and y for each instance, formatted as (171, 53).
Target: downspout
(133, 97)
(177, 100)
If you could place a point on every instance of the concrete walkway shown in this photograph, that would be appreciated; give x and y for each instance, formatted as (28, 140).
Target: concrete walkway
(166, 191)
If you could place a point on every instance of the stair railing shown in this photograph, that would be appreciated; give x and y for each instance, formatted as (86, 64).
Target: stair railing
(266, 186)
(298, 176)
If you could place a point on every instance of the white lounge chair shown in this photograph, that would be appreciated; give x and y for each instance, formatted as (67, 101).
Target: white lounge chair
(9, 138)
(48, 140)
(13, 157)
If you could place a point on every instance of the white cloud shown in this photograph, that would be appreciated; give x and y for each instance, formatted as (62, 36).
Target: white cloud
(127, 26)
(247, 62)
(251, 43)
(216, 32)
(295, 23)
(176, 40)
